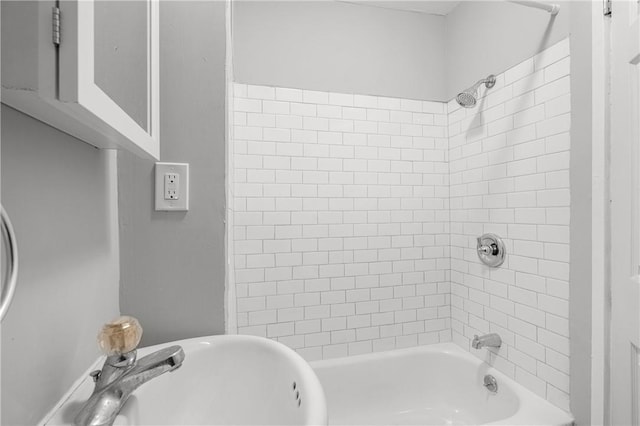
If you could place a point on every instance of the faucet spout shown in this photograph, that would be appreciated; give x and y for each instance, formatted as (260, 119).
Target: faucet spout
(491, 340)
(120, 376)
(153, 365)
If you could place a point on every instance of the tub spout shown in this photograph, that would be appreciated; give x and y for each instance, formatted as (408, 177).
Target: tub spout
(488, 340)
(120, 376)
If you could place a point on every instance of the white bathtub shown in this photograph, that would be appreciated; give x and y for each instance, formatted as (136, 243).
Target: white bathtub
(428, 385)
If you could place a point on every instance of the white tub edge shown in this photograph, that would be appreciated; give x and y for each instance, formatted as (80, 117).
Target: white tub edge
(532, 406)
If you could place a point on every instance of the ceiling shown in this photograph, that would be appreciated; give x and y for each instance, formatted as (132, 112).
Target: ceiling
(423, 6)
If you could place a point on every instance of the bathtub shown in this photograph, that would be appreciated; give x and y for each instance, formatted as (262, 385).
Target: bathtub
(427, 385)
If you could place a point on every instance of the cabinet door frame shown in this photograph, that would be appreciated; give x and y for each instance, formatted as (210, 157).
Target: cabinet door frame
(79, 92)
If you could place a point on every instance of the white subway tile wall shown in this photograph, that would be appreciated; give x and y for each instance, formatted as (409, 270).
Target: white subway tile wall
(509, 175)
(356, 217)
(341, 220)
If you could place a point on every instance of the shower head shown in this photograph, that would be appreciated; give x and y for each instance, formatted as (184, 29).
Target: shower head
(468, 97)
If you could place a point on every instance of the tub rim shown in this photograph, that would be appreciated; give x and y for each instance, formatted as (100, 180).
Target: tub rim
(532, 408)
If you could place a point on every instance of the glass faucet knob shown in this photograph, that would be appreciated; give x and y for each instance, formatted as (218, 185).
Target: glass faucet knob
(120, 336)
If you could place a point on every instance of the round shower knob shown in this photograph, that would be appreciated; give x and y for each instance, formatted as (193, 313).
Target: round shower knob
(491, 250)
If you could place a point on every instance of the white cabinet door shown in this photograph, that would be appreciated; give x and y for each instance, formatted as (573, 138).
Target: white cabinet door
(100, 83)
(625, 213)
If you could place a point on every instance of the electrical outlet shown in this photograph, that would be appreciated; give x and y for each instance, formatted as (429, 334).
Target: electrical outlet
(172, 187)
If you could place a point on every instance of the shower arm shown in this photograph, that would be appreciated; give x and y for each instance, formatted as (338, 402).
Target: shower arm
(551, 8)
(489, 82)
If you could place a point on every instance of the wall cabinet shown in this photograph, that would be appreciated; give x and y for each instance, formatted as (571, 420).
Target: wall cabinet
(97, 78)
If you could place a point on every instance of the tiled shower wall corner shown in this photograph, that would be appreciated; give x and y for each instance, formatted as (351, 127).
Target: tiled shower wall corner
(509, 175)
(356, 217)
(341, 220)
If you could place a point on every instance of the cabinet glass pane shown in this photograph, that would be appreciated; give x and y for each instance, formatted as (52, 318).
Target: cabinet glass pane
(121, 50)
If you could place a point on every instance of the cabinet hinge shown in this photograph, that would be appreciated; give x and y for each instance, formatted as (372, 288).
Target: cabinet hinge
(56, 25)
(606, 7)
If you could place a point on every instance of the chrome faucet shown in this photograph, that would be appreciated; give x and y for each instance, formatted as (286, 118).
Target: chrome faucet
(122, 373)
(120, 376)
(490, 340)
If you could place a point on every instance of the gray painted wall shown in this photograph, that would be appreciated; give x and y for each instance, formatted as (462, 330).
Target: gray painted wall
(488, 37)
(331, 46)
(172, 263)
(580, 303)
(366, 50)
(60, 195)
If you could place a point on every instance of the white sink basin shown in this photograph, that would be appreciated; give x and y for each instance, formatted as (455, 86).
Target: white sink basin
(230, 380)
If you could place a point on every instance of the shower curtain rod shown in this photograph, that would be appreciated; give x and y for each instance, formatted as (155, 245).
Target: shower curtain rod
(551, 8)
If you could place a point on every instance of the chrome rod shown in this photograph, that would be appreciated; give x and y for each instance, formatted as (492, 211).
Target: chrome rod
(551, 8)
(9, 286)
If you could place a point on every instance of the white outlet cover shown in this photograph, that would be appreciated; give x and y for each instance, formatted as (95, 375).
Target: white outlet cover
(182, 203)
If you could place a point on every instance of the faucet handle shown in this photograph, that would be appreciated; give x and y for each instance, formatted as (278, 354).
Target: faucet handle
(120, 336)
(95, 375)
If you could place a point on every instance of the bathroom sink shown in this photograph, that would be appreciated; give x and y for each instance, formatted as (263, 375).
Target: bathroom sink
(230, 380)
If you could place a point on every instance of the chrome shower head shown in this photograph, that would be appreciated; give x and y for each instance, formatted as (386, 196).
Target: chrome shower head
(468, 97)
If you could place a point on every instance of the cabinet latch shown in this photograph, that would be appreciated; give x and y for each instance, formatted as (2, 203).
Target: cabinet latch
(607, 8)
(56, 25)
